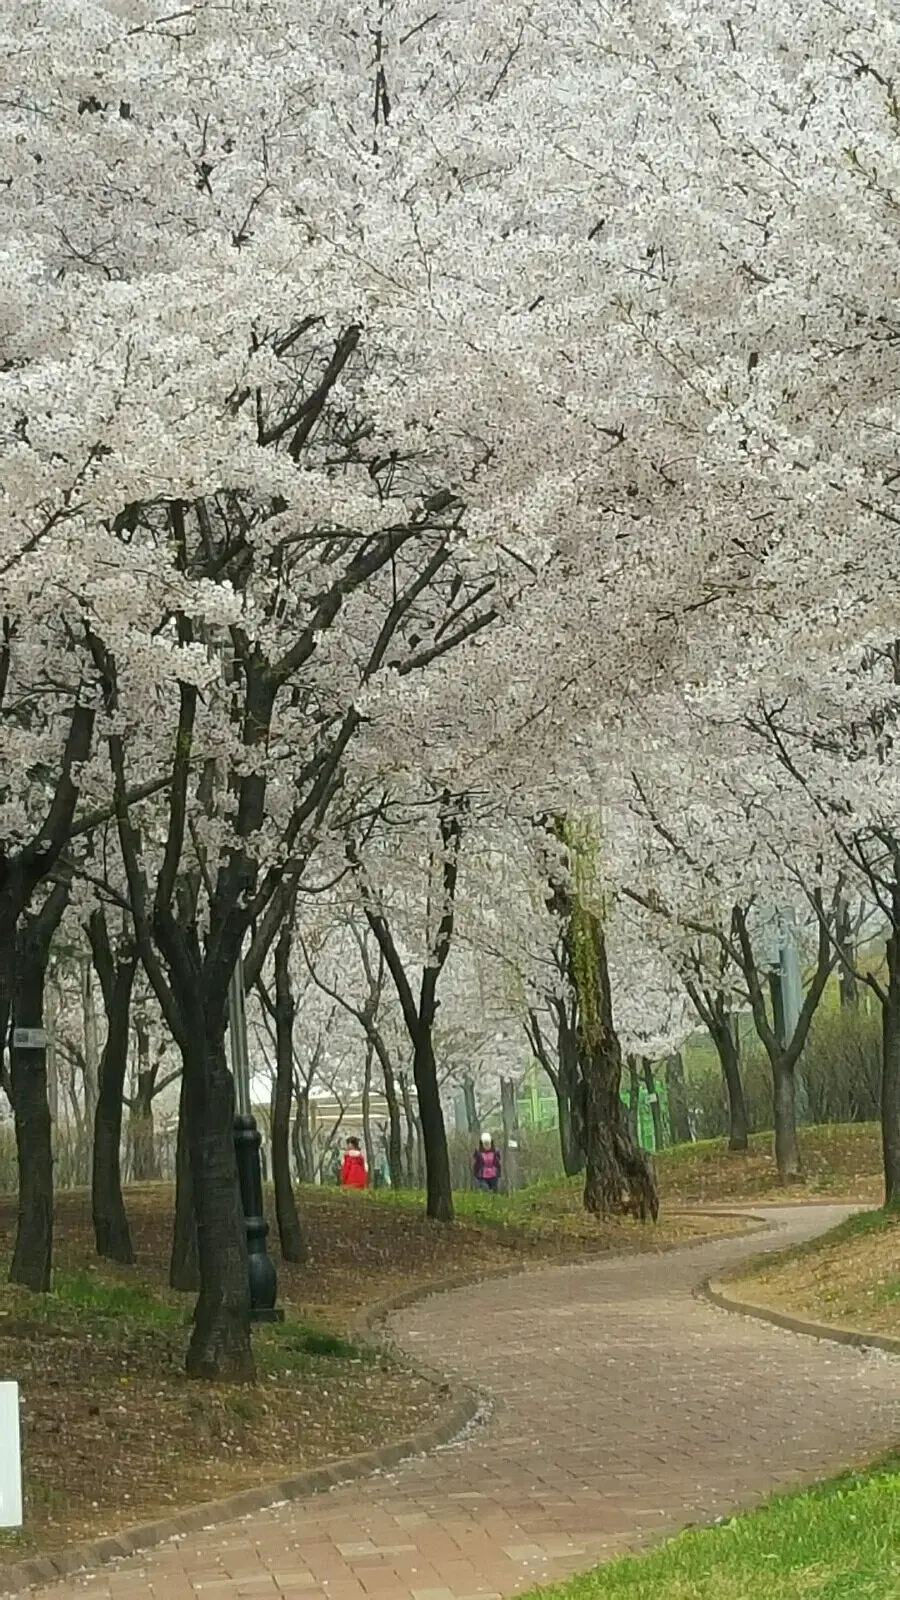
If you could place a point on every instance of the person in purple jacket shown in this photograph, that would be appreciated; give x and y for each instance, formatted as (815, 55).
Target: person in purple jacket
(486, 1165)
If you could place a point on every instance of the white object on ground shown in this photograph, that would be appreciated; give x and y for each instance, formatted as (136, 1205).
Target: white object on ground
(10, 1458)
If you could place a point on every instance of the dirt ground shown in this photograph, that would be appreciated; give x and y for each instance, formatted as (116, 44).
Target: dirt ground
(114, 1434)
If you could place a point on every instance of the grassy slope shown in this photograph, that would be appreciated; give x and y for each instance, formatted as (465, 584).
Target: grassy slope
(842, 1161)
(849, 1277)
(839, 1541)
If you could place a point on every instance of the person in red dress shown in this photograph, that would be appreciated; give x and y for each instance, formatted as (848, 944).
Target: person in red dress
(353, 1166)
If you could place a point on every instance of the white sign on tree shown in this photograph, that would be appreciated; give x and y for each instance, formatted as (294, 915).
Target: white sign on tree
(10, 1458)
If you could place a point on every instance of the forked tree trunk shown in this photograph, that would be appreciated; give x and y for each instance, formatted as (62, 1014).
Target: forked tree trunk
(618, 1178)
(184, 1265)
(729, 1059)
(33, 1250)
(848, 983)
(890, 1074)
(290, 1234)
(679, 1118)
(220, 1342)
(787, 1149)
(438, 1191)
(111, 1231)
(145, 1167)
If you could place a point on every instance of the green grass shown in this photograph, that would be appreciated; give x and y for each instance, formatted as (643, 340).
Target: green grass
(527, 1207)
(839, 1541)
(82, 1292)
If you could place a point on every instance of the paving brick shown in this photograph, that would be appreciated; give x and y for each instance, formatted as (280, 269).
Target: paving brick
(623, 1409)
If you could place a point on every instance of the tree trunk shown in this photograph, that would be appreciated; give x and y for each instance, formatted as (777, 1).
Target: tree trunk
(33, 1251)
(729, 1059)
(618, 1176)
(301, 1140)
(410, 1117)
(395, 1132)
(438, 1191)
(890, 1075)
(653, 1100)
(634, 1100)
(145, 1166)
(787, 1150)
(184, 1266)
(473, 1123)
(51, 1014)
(847, 980)
(367, 1113)
(679, 1117)
(111, 1232)
(569, 1098)
(293, 1244)
(220, 1343)
(509, 1111)
(91, 1044)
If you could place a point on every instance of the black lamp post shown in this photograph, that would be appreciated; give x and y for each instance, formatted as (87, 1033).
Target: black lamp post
(247, 1142)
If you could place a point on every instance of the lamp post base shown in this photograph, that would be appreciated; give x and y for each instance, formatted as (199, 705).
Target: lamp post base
(263, 1279)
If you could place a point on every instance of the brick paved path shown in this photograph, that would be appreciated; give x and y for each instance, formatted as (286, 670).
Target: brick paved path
(622, 1407)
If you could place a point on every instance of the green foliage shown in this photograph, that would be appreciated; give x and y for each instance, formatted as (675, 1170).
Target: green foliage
(839, 1541)
(840, 1066)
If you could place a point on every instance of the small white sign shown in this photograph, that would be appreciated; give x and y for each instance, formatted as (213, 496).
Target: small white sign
(30, 1039)
(10, 1458)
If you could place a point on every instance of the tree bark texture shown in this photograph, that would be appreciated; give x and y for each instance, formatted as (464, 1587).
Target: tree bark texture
(569, 1096)
(32, 1259)
(679, 1117)
(145, 1166)
(473, 1123)
(116, 973)
(890, 1073)
(412, 1176)
(787, 1149)
(368, 1144)
(108, 1205)
(729, 1059)
(395, 1130)
(220, 1341)
(509, 1111)
(184, 1265)
(290, 1234)
(618, 1178)
(438, 1191)
(653, 1100)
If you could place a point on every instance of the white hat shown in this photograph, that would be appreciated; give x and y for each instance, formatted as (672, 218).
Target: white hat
(486, 1139)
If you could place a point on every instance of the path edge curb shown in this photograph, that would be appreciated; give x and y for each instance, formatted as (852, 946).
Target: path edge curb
(712, 1291)
(466, 1403)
